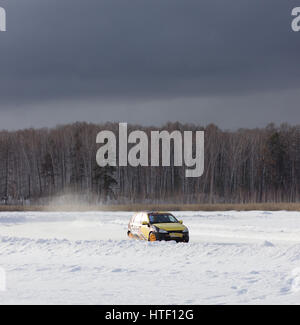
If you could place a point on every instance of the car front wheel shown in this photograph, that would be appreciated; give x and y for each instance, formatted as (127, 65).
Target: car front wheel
(152, 236)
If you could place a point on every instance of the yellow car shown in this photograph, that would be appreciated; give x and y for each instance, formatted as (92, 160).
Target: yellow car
(154, 226)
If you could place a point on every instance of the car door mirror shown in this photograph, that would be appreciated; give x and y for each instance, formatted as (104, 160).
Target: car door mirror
(145, 223)
(180, 221)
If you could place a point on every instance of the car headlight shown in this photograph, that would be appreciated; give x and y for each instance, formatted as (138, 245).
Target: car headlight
(185, 230)
(162, 231)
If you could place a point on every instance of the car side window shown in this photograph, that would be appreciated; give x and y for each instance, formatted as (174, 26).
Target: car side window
(137, 219)
(133, 218)
(145, 218)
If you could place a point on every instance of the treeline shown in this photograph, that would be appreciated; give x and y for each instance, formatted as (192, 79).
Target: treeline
(243, 166)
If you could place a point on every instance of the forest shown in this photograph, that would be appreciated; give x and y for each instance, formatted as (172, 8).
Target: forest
(241, 166)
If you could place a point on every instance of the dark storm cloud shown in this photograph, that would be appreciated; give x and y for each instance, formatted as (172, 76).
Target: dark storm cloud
(116, 57)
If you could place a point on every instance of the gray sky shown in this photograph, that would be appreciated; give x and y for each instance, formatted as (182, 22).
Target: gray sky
(234, 63)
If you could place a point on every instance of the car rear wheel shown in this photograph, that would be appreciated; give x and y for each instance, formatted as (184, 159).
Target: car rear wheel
(152, 236)
(130, 235)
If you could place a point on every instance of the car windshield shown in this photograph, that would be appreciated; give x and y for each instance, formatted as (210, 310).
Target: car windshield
(161, 218)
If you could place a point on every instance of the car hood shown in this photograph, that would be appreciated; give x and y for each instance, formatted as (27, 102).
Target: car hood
(170, 226)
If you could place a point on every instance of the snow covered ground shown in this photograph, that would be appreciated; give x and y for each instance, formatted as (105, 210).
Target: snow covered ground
(86, 258)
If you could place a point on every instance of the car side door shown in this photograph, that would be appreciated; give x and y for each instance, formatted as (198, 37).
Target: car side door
(136, 224)
(131, 224)
(145, 228)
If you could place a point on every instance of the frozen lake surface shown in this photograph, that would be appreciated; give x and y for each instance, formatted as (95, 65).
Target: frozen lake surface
(85, 258)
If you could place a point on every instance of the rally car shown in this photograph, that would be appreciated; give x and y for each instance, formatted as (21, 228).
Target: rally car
(153, 226)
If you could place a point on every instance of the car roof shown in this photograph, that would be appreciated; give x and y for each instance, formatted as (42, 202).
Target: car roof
(158, 212)
(154, 212)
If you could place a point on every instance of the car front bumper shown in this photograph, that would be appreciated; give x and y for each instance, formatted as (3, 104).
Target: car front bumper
(168, 237)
